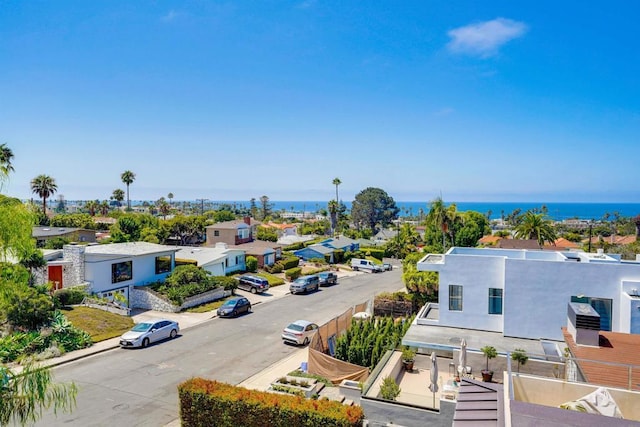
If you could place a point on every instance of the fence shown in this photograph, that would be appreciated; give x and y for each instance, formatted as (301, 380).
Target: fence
(324, 340)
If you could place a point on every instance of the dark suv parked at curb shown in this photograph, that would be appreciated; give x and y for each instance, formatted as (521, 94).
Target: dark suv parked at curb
(327, 278)
(253, 284)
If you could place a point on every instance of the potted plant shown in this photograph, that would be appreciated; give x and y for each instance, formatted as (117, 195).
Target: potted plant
(519, 356)
(489, 352)
(408, 358)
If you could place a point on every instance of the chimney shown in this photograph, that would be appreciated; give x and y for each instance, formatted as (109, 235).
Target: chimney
(583, 324)
(247, 220)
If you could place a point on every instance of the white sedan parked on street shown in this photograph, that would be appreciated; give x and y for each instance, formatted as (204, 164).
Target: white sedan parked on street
(145, 333)
(299, 332)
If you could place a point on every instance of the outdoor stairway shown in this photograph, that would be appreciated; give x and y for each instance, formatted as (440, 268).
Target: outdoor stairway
(477, 405)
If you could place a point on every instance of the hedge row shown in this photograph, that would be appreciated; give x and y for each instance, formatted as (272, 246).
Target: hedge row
(211, 403)
(293, 273)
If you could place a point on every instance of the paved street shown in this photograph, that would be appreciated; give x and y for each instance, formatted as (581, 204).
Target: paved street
(139, 387)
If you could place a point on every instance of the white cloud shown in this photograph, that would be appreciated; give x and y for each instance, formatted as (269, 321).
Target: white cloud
(484, 39)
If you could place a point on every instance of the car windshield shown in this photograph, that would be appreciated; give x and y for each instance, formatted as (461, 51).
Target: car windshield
(142, 327)
(323, 274)
(300, 281)
(230, 302)
(295, 327)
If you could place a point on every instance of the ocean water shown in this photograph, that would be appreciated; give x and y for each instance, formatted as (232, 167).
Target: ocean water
(555, 211)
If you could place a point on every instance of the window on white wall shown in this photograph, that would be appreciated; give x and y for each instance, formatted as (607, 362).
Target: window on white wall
(455, 298)
(495, 301)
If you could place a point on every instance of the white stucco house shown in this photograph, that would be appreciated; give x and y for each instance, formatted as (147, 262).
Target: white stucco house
(219, 260)
(525, 293)
(110, 268)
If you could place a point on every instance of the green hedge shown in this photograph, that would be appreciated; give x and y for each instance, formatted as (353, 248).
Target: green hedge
(294, 246)
(288, 263)
(293, 273)
(211, 403)
(377, 253)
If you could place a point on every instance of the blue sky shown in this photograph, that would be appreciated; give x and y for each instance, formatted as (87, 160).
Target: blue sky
(477, 101)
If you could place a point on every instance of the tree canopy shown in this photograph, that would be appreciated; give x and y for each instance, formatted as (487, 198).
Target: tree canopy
(373, 208)
(535, 226)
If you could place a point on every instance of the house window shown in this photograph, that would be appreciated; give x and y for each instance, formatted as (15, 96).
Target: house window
(216, 233)
(163, 264)
(495, 301)
(602, 306)
(455, 298)
(121, 272)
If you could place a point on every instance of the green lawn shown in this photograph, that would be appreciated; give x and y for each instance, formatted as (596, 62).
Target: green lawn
(100, 324)
(209, 306)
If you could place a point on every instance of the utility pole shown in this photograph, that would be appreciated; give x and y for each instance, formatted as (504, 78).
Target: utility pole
(590, 233)
(201, 205)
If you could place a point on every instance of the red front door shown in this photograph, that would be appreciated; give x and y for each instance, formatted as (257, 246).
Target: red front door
(55, 276)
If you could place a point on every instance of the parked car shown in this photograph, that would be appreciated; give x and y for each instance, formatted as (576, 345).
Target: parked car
(358, 264)
(234, 306)
(304, 284)
(327, 278)
(299, 332)
(145, 333)
(386, 266)
(253, 284)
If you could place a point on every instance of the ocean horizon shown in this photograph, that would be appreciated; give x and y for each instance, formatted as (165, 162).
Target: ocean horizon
(555, 211)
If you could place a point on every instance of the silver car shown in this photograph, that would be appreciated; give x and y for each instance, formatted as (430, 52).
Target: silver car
(145, 333)
(299, 332)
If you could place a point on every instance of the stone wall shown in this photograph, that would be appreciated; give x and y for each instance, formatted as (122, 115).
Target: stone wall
(74, 273)
(147, 298)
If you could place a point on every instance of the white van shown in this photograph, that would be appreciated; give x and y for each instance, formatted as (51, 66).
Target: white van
(365, 264)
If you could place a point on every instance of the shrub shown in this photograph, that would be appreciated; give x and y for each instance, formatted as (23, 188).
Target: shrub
(252, 264)
(294, 246)
(289, 262)
(69, 296)
(211, 403)
(389, 389)
(377, 253)
(293, 273)
(187, 274)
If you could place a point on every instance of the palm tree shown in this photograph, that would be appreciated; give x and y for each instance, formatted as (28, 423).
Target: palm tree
(128, 177)
(437, 216)
(5, 161)
(118, 196)
(45, 187)
(337, 182)
(23, 395)
(535, 226)
(170, 197)
(92, 206)
(104, 208)
(163, 207)
(333, 214)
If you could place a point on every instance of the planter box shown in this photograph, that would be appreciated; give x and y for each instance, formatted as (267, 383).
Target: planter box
(308, 391)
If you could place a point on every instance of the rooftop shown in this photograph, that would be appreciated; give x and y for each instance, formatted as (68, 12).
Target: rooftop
(128, 248)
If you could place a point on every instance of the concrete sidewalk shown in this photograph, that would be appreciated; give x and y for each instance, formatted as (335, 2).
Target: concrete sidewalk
(262, 380)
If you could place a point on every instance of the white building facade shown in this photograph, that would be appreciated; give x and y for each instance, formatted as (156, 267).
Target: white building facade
(523, 293)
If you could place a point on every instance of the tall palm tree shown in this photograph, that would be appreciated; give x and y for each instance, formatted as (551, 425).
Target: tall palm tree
(45, 187)
(337, 182)
(5, 161)
(127, 178)
(535, 226)
(170, 197)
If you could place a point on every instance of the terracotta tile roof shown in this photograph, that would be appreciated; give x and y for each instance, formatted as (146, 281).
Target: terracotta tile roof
(563, 243)
(489, 239)
(620, 350)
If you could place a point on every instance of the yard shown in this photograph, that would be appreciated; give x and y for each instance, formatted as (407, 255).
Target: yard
(100, 324)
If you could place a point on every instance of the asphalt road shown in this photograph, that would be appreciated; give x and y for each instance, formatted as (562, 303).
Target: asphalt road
(139, 387)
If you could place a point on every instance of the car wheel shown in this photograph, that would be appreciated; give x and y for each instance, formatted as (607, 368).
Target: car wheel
(145, 343)
(249, 309)
(254, 290)
(306, 341)
(174, 333)
(235, 313)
